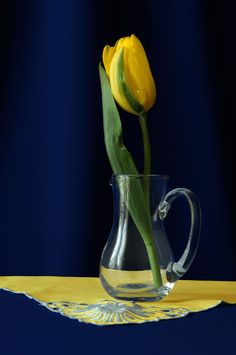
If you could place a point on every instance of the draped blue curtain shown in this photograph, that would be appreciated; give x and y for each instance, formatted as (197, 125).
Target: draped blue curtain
(55, 199)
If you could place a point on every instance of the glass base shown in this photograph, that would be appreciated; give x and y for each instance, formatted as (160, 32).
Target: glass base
(136, 286)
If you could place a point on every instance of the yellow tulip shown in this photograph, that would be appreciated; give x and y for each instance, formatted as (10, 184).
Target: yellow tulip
(131, 80)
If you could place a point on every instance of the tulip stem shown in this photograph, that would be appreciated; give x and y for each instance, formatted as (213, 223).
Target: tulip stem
(150, 245)
(147, 155)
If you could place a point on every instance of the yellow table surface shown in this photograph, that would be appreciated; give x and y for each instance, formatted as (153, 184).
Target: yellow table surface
(192, 296)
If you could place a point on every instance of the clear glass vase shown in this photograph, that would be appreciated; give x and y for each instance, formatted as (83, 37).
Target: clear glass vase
(137, 262)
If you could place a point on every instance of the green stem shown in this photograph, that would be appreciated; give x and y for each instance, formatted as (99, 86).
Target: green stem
(147, 155)
(154, 264)
(146, 143)
(150, 245)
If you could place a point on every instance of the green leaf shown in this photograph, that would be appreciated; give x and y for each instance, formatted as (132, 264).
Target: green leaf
(122, 163)
(120, 158)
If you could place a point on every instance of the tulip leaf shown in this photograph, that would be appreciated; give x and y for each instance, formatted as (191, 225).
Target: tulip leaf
(122, 164)
(120, 158)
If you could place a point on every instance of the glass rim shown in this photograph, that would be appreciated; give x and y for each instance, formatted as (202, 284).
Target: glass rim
(156, 176)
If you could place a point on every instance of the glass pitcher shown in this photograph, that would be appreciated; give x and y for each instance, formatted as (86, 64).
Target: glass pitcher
(137, 263)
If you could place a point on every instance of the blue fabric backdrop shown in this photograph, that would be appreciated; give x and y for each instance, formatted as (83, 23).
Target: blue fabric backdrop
(55, 201)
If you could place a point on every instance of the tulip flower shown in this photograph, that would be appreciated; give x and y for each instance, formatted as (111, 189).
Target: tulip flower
(131, 80)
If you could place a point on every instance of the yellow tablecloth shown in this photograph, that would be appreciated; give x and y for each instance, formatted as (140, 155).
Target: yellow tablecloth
(84, 299)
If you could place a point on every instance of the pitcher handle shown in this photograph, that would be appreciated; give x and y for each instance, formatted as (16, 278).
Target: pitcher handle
(175, 270)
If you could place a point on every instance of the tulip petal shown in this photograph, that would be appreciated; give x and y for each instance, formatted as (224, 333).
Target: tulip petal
(115, 84)
(107, 55)
(124, 89)
(138, 73)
